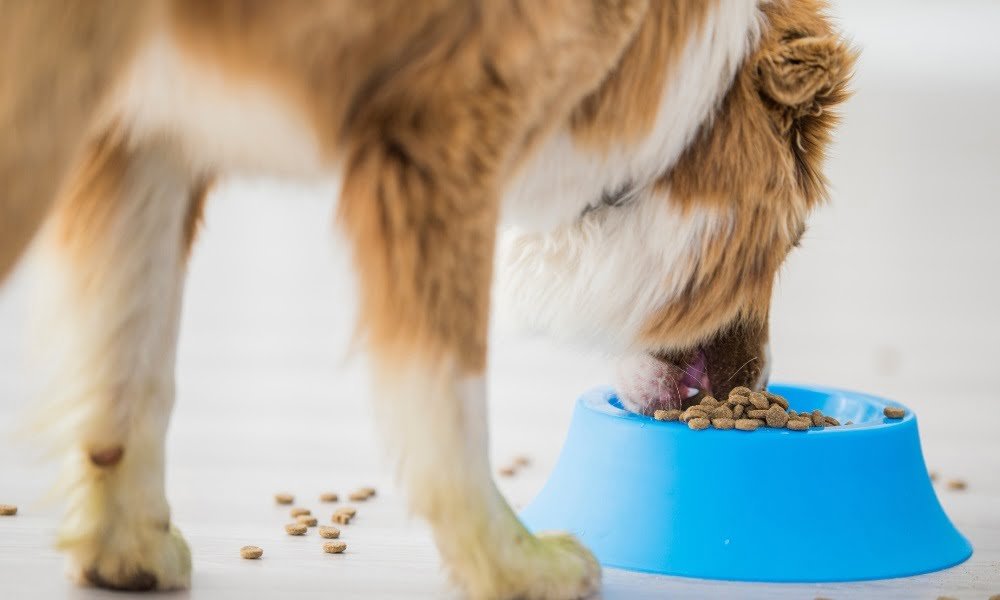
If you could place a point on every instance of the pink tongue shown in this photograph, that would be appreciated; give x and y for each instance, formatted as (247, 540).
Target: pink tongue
(645, 383)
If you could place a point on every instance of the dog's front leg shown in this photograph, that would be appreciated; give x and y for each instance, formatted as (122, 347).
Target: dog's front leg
(423, 239)
(113, 264)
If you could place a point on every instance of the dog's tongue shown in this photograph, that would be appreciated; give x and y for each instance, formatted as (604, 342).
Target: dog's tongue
(646, 383)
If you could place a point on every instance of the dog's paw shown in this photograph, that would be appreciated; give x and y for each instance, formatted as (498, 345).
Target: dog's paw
(553, 566)
(133, 559)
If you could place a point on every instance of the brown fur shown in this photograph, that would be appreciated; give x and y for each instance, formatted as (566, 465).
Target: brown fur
(625, 106)
(761, 159)
(57, 63)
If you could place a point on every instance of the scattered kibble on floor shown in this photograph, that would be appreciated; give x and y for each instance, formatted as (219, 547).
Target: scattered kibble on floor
(8, 510)
(334, 547)
(328, 497)
(295, 529)
(957, 484)
(328, 532)
(298, 511)
(344, 515)
(361, 494)
(894, 412)
(307, 520)
(251, 552)
(284, 498)
(746, 411)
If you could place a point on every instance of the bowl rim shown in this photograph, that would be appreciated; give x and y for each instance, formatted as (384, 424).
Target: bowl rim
(599, 400)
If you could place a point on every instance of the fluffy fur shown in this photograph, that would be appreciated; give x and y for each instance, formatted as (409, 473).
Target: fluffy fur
(658, 160)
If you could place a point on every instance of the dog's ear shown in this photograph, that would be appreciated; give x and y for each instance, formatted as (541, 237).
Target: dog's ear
(796, 71)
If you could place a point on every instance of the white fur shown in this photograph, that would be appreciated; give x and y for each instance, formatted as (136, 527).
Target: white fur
(598, 280)
(111, 316)
(562, 179)
(434, 422)
(222, 122)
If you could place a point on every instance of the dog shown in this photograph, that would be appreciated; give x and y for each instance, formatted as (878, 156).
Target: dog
(650, 164)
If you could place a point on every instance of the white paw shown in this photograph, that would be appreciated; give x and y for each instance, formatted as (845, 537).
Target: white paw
(552, 566)
(149, 557)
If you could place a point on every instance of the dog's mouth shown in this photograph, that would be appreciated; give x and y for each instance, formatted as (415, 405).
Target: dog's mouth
(646, 383)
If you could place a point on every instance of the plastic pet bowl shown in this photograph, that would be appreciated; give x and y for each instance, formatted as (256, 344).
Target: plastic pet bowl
(835, 504)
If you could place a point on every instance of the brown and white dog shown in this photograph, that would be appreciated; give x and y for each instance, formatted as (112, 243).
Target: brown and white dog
(654, 162)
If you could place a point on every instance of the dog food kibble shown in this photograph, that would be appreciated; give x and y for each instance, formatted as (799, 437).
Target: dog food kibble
(699, 423)
(8, 510)
(328, 531)
(295, 512)
(295, 529)
(759, 400)
(335, 547)
(520, 460)
(776, 399)
(307, 520)
(344, 516)
(284, 498)
(957, 484)
(894, 412)
(776, 416)
(328, 497)
(667, 415)
(360, 496)
(251, 552)
(746, 411)
(502, 471)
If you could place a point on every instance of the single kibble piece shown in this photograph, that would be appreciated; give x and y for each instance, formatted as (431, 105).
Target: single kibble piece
(284, 498)
(722, 412)
(699, 423)
(361, 496)
(817, 419)
(328, 497)
(957, 484)
(797, 425)
(792, 414)
(776, 399)
(740, 391)
(849, 423)
(344, 515)
(670, 414)
(693, 413)
(756, 413)
(709, 401)
(894, 412)
(295, 529)
(933, 475)
(946, 598)
(8, 510)
(295, 512)
(502, 471)
(335, 547)
(746, 424)
(759, 400)
(831, 421)
(307, 520)
(776, 416)
(518, 461)
(723, 423)
(738, 411)
(741, 400)
(251, 552)
(328, 531)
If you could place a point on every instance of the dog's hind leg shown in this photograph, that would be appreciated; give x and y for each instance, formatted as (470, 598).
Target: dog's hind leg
(112, 264)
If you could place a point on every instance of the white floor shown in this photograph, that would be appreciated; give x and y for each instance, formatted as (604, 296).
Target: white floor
(894, 292)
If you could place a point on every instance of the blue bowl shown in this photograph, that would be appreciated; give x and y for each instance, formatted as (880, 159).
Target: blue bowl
(836, 504)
